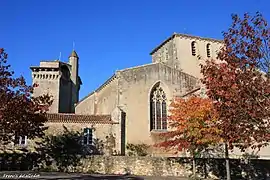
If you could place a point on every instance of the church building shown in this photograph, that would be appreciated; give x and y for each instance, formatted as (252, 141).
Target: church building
(132, 105)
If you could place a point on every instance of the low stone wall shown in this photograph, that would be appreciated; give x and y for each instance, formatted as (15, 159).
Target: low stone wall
(148, 166)
(144, 166)
(136, 165)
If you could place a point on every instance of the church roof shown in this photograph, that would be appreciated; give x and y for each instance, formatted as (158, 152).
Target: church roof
(108, 81)
(76, 118)
(191, 92)
(184, 36)
(74, 54)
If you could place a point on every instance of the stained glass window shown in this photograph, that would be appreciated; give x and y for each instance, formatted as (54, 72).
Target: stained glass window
(158, 108)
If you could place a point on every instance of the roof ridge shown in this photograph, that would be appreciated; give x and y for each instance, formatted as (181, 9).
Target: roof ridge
(139, 66)
(73, 114)
(98, 89)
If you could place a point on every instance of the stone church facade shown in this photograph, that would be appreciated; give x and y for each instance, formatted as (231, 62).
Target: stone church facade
(132, 104)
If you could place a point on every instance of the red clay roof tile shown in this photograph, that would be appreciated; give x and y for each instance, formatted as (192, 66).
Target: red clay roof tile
(75, 118)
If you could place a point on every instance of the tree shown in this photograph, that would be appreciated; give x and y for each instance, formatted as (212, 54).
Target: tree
(21, 114)
(239, 85)
(192, 126)
(137, 149)
(65, 149)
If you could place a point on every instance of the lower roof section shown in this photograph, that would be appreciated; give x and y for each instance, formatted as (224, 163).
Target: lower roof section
(76, 118)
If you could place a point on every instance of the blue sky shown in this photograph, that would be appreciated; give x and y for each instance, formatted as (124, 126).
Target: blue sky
(109, 35)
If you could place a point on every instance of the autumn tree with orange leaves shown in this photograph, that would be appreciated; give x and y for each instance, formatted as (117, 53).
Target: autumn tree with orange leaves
(192, 123)
(240, 85)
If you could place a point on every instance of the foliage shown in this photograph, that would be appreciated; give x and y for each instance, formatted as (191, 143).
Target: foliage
(247, 43)
(109, 144)
(21, 114)
(238, 87)
(67, 150)
(137, 149)
(192, 122)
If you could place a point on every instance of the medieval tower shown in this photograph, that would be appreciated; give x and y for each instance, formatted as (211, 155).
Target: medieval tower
(60, 80)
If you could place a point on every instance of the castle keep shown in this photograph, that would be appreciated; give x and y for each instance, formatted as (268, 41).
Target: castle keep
(61, 80)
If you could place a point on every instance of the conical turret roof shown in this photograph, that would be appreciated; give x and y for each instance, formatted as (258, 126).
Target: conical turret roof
(74, 54)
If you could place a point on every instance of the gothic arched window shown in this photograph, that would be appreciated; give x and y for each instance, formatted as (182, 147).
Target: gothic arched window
(158, 109)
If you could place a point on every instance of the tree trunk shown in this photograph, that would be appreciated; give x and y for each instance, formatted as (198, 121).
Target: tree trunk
(228, 172)
(194, 165)
(205, 168)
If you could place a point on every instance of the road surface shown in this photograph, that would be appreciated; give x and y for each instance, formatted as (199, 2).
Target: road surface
(73, 176)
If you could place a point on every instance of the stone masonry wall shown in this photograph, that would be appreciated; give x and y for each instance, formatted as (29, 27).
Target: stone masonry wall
(102, 101)
(144, 166)
(177, 53)
(87, 105)
(136, 84)
(101, 131)
(160, 166)
(107, 98)
(48, 82)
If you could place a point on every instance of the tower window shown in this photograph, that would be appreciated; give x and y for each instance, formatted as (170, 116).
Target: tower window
(208, 50)
(193, 48)
(158, 109)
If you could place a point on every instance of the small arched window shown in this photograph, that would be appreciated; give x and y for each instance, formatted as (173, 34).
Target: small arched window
(193, 48)
(158, 109)
(208, 52)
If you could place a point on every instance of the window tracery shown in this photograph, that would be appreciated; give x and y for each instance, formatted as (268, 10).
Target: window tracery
(158, 108)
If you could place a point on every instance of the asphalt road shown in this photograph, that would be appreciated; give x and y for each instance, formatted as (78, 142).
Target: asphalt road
(73, 176)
